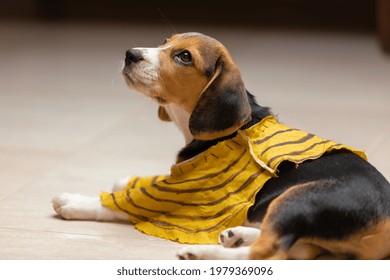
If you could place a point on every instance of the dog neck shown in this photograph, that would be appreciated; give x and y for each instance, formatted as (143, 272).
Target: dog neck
(181, 118)
(195, 147)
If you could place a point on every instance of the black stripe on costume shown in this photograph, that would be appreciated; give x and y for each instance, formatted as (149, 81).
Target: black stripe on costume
(229, 147)
(297, 153)
(180, 216)
(318, 155)
(154, 180)
(180, 190)
(139, 217)
(134, 183)
(211, 175)
(242, 187)
(157, 223)
(274, 134)
(299, 141)
(166, 225)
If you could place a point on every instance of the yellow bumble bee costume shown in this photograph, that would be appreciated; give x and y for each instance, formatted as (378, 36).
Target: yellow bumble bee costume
(214, 190)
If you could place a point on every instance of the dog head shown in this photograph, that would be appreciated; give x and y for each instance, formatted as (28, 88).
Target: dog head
(195, 73)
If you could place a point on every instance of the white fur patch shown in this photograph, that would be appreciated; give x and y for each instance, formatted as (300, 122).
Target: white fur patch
(120, 184)
(212, 252)
(238, 236)
(181, 118)
(151, 55)
(146, 72)
(80, 207)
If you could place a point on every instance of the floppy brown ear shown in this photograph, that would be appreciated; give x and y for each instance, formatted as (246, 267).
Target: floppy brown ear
(163, 115)
(223, 106)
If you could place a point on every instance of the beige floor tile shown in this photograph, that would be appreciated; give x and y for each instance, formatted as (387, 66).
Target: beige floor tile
(21, 166)
(27, 244)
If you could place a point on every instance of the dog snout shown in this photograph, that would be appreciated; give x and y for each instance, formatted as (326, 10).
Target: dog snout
(132, 56)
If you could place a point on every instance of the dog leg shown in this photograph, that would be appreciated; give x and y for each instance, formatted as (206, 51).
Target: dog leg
(238, 236)
(212, 252)
(80, 207)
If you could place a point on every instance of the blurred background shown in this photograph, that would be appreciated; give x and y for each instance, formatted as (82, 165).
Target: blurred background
(363, 15)
(69, 124)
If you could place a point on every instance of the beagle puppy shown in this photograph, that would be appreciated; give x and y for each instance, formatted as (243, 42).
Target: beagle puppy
(333, 205)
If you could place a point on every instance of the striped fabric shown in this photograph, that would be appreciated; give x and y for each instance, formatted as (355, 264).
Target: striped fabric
(213, 191)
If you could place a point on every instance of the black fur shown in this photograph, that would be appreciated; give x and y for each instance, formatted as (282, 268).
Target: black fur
(225, 95)
(344, 194)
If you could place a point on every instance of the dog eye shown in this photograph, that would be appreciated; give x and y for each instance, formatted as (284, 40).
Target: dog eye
(185, 57)
(165, 41)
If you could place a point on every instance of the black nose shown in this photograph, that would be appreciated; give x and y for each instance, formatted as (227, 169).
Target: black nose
(133, 56)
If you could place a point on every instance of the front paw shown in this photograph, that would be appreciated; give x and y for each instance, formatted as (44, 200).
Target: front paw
(197, 252)
(74, 206)
(238, 236)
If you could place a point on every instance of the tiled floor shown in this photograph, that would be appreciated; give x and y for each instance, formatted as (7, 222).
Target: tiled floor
(69, 124)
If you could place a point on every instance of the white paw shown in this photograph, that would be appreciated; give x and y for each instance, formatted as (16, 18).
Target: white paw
(120, 184)
(197, 252)
(212, 252)
(76, 206)
(238, 236)
(81, 207)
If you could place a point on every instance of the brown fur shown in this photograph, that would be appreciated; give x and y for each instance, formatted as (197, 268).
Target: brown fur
(190, 82)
